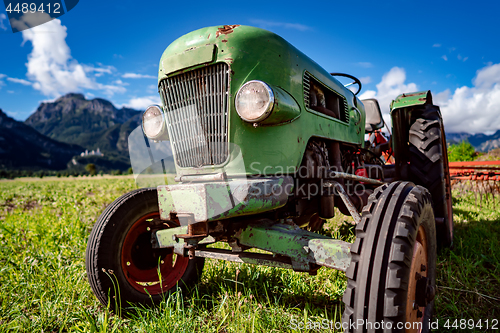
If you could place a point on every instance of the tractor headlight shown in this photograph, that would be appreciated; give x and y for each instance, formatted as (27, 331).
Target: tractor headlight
(254, 101)
(153, 123)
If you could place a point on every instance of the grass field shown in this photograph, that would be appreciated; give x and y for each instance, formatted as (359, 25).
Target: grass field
(44, 226)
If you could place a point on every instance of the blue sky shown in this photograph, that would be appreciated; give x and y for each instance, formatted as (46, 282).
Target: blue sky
(111, 50)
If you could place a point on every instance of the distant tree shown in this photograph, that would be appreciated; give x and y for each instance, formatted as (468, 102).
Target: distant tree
(130, 171)
(462, 152)
(91, 168)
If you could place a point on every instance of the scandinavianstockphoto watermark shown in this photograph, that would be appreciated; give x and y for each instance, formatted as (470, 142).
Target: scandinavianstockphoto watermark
(326, 324)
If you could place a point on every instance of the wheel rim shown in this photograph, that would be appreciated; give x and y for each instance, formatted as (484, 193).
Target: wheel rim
(418, 284)
(150, 271)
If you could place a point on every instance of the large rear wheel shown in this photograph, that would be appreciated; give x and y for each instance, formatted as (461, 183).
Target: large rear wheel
(393, 269)
(122, 266)
(429, 167)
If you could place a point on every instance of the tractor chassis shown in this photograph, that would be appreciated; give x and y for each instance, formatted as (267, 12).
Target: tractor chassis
(200, 223)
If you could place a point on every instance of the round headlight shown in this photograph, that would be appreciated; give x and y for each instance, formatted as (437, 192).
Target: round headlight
(153, 123)
(254, 101)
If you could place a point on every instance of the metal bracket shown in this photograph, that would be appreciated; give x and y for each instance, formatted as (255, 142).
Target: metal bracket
(302, 246)
(350, 206)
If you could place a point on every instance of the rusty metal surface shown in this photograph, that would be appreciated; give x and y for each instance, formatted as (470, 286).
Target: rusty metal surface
(165, 238)
(302, 246)
(246, 257)
(212, 201)
(226, 29)
(345, 198)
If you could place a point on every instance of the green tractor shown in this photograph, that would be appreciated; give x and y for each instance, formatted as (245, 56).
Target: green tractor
(265, 144)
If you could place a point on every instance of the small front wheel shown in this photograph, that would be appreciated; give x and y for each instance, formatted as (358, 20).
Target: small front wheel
(122, 266)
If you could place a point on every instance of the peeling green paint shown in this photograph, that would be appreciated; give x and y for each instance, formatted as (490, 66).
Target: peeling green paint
(256, 54)
(411, 99)
(302, 246)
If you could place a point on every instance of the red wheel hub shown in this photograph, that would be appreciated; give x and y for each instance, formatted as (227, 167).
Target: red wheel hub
(150, 271)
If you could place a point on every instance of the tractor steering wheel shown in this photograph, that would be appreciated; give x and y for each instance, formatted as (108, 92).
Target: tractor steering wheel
(355, 81)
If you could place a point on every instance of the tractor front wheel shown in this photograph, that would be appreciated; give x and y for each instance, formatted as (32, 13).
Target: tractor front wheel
(392, 274)
(122, 266)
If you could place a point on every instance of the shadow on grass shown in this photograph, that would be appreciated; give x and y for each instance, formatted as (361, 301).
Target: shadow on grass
(468, 274)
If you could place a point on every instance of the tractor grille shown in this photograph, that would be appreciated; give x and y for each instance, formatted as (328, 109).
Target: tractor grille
(196, 104)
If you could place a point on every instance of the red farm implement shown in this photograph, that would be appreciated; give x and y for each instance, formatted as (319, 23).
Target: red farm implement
(480, 177)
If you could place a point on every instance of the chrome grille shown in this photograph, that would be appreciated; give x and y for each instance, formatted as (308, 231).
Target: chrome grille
(196, 108)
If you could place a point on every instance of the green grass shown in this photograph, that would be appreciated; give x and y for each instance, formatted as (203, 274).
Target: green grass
(44, 226)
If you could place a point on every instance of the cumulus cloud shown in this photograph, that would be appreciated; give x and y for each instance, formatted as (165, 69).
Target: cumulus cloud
(141, 103)
(473, 109)
(21, 81)
(137, 76)
(365, 80)
(436, 45)
(365, 64)
(268, 24)
(445, 58)
(392, 85)
(2, 17)
(50, 65)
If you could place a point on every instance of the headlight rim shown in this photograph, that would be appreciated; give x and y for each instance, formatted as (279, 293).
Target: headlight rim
(163, 125)
(270, 105)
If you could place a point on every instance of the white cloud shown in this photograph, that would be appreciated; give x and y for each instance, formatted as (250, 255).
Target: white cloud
(120, 82)
(445, 58)
(365, 64)
(141, 103)
(21, 81)
(50, 65)
(100, 70)
(10, 91)
(365, 80)
(392, 85)
(436, 45)
(473, 109)
(2, 17)
(137, 76)
(268, 24)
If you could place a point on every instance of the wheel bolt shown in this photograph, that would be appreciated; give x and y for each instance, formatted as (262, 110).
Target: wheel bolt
(148, 229)
(419, 314)
(128, 263)
(423, 268)
(418, 276)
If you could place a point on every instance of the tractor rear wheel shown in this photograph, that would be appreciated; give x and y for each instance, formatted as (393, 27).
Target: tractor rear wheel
(122, 266)
(429, 167)
(391, 278)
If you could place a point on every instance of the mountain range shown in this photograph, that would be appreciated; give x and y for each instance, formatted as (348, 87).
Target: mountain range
(22, 147)
(482, 142)
(57, 133)
(73, 121)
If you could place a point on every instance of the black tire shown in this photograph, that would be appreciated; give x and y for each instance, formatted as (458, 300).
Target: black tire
(119, 252)
(396, 221)
(429, 167)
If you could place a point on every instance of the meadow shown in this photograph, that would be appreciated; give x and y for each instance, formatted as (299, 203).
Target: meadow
(44, 226)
